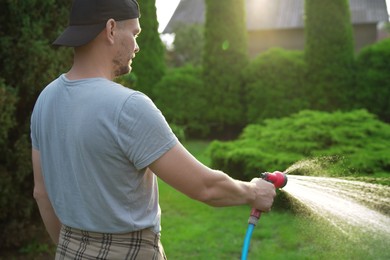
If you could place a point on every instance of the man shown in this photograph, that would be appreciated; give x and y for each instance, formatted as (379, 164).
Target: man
(98, 147)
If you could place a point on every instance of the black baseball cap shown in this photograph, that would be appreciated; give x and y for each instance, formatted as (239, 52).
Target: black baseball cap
(89, 17)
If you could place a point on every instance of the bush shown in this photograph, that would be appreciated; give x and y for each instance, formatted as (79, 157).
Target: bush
(8, 100)
(188, 45)
(128, 80)
(179, 132)
(18, 212)
(16, 204)
(373, 79)
(275, 84)
(332, 143)
(180, 96)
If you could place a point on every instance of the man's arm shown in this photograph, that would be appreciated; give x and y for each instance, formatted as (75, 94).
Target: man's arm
(181, 170)
(46, 210)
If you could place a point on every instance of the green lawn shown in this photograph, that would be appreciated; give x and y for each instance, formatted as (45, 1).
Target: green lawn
(191, 230)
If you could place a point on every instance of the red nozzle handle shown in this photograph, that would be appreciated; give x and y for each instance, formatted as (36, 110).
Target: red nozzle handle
(279, 180)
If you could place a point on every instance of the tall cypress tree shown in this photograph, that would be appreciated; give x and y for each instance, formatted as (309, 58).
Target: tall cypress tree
(329, 53)
(27, 64)
(225, 54)
(149, 64)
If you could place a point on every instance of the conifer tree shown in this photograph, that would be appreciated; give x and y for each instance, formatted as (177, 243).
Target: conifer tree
(225, 54)
(149, 64)
(329, 53)
(27, 64)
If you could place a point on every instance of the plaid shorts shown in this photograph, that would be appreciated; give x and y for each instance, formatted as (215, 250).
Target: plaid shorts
(78, 244)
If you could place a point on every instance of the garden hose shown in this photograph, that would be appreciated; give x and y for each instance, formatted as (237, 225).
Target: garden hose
(279, 180)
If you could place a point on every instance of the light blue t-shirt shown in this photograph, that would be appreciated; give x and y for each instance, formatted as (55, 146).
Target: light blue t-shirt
(95, 139)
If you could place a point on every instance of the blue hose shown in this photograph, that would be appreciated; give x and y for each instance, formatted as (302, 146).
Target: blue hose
(247, 240)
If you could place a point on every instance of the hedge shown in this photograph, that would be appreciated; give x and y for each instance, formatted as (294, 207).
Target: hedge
(339, 143)
(373, 79)
(181, 97)
(275, 84)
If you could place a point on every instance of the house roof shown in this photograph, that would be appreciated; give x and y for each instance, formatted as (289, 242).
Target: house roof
(276, 14)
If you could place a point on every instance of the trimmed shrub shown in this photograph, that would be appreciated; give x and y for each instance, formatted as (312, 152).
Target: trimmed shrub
(275, 84)
(181, 97)
(224, 56)
(373, 79)
(329, 53)
(329, 143)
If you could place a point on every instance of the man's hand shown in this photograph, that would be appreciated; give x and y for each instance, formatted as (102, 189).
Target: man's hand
(265, 194)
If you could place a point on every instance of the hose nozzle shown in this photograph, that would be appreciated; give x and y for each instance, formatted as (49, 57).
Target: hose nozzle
(279, 179)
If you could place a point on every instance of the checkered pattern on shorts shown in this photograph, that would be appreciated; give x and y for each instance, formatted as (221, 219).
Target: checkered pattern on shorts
(77, 244)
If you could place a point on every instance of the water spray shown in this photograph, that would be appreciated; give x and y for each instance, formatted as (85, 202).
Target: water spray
(279, 179)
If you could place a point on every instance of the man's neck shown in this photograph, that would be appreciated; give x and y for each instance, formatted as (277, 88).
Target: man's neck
(90, 64)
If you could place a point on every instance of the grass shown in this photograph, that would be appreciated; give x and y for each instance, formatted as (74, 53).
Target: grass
(191, 230)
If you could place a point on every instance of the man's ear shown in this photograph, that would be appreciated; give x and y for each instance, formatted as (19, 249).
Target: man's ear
(111, 27)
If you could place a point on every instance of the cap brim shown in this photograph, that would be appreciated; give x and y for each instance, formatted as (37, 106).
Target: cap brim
(79, 35)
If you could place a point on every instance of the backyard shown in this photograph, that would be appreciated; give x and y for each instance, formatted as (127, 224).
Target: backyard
(192, 230)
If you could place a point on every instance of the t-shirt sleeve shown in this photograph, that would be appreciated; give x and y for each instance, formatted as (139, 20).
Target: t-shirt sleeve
(143, 133)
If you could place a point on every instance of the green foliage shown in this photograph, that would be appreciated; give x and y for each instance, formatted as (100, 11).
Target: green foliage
(179, 132)
(26, 36)
(128, 80)
(8, 99)
(346, 143)
(18, 212)
(329, 53)
(373, 79)
(27, 64)
(224, 56)
(181, 97)
(149, 66)
(35, 248)
(188, 46)
(275, 84)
